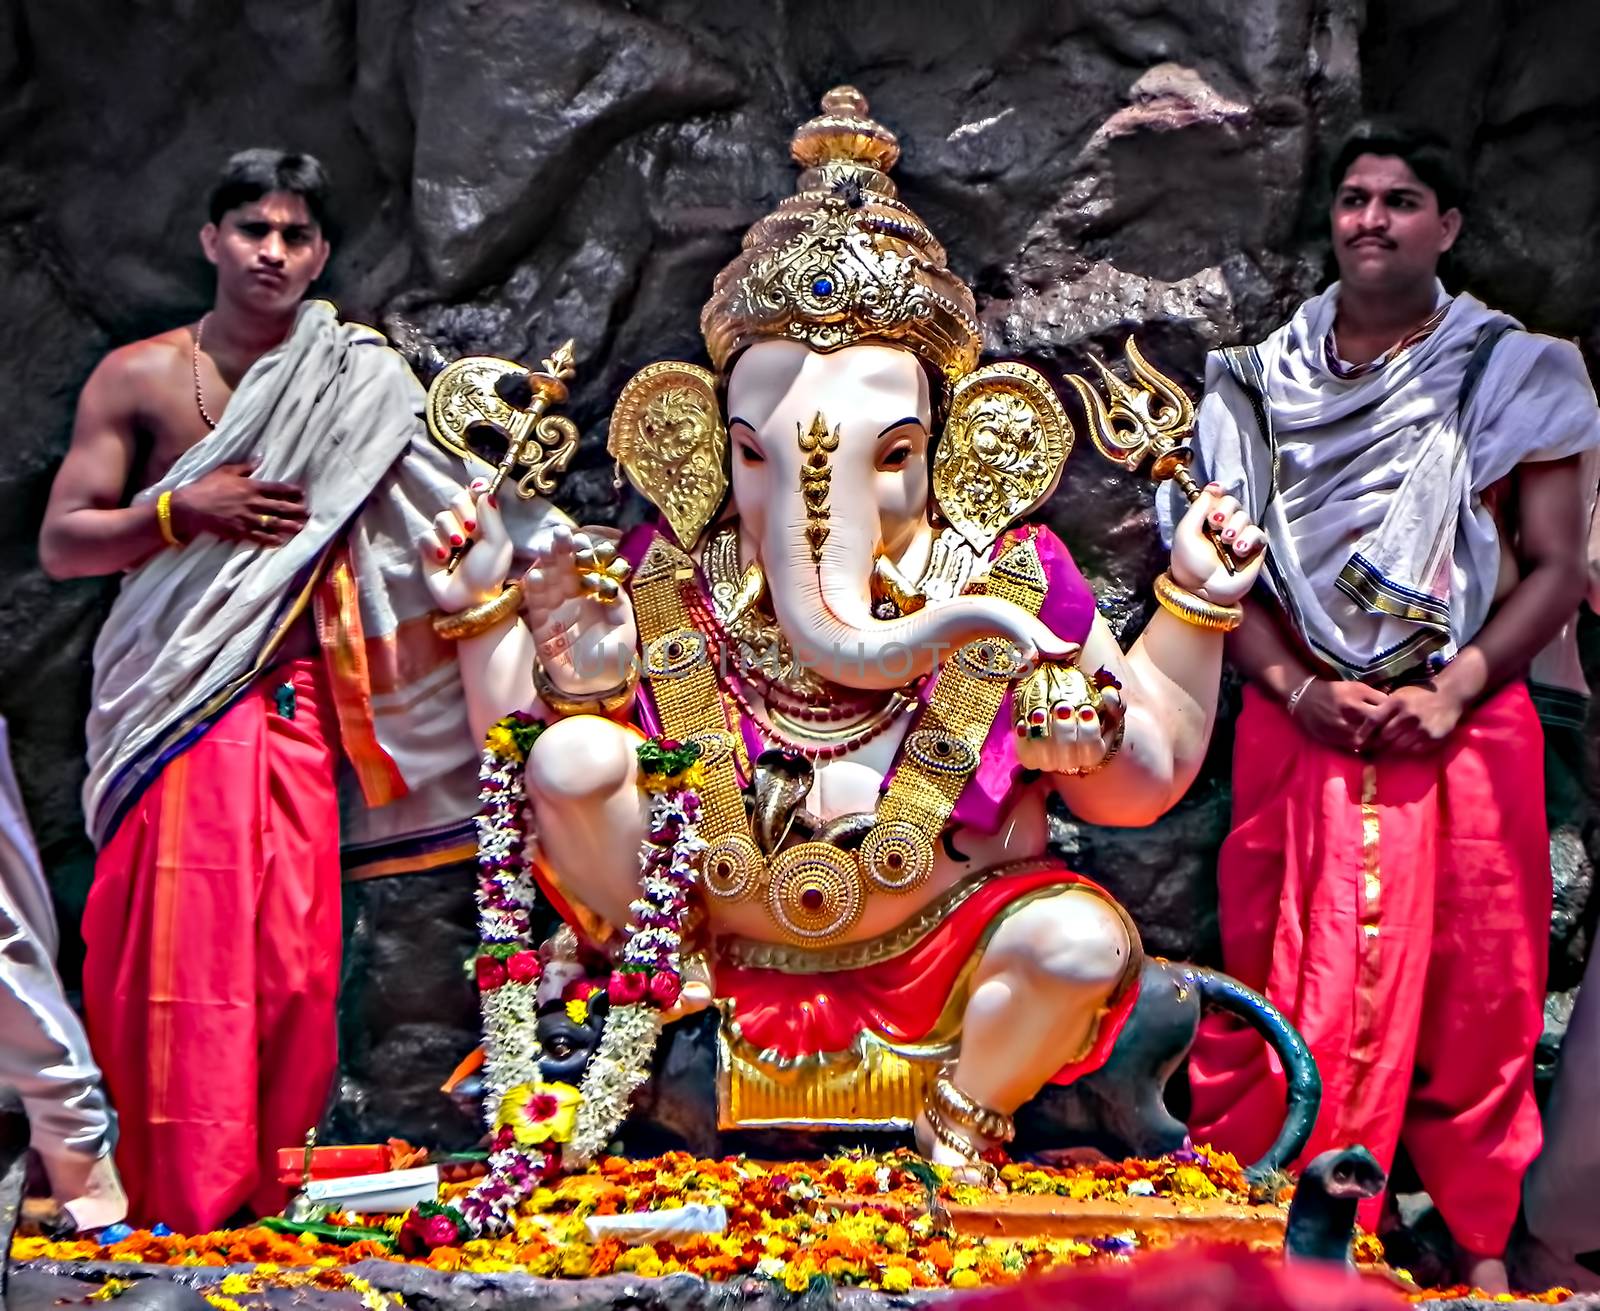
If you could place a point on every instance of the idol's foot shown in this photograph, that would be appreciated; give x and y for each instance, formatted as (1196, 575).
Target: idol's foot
(959, 1151)
(699, 991)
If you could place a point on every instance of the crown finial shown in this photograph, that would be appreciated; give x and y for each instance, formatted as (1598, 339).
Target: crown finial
(845, 101)
(844, 260)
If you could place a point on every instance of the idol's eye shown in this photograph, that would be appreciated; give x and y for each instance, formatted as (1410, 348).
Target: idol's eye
(750, 455)
(896, 456)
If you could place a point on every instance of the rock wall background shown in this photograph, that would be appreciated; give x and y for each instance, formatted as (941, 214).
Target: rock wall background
(511, 172)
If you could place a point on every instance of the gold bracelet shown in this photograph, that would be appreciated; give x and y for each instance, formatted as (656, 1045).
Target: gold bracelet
(164, 520)
(604, 702)
(1195, 609)
(480, 618)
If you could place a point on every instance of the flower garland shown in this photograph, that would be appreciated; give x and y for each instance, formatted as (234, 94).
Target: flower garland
(539, 1128)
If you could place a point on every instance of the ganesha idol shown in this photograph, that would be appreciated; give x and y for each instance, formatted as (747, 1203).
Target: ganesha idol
(873, 668)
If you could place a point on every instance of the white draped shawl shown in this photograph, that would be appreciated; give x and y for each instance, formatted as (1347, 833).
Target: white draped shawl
(1381, 549)
(336, 411)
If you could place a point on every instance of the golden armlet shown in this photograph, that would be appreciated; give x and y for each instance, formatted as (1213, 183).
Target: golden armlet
(480, 618)
(164, 520)
(1195, 609)
(605, 702)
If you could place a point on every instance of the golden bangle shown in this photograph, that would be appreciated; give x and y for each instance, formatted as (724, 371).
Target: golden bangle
(967, 1113)
(480, 618)
(1195, 609)
(605, 702)
(164, 520)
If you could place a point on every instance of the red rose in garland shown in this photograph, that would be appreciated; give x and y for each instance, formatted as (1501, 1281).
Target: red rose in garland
(524, 967)
(491, 973)
(627, 988)
(664, 989)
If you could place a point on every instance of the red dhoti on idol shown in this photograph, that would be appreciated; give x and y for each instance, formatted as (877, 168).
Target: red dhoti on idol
(1395, 909)
(913, 995)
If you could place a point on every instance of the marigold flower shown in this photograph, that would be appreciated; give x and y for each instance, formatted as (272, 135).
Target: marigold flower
(896, 1279)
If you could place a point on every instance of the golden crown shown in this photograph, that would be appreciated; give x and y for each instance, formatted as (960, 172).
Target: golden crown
(844, 260)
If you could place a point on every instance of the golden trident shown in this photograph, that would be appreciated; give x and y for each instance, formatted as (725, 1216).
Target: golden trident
(1150, 422)
(469, 399)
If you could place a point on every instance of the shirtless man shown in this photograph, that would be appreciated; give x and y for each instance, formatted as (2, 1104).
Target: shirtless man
(244, 472)
(150, 401)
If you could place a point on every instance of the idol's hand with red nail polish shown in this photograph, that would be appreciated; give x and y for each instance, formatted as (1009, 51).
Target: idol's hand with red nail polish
(472, 520)
(1066, 723)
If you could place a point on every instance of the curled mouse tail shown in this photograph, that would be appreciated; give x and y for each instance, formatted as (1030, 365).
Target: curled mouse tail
(1226, 993)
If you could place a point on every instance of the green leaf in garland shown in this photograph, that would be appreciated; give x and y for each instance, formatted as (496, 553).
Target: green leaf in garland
(667, 758)
(513, 737)
(342, 1235)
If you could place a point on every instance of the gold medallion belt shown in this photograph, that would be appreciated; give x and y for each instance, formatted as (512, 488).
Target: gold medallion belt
(813, 891)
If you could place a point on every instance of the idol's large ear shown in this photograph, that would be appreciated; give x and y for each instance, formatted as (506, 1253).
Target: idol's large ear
(1000, 455)
(667, 434)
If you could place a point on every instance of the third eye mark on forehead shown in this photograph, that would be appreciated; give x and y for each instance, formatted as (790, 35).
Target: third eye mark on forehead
(737, 422)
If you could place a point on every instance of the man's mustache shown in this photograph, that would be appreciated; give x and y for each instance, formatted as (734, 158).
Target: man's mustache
(1378, 237)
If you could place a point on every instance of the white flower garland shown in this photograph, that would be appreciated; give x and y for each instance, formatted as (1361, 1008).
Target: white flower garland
(530, 1119)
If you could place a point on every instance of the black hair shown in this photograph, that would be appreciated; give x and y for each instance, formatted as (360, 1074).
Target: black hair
(252, 174)
(1426, 153)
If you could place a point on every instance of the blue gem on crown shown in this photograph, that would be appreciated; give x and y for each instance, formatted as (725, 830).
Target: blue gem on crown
(822, 287)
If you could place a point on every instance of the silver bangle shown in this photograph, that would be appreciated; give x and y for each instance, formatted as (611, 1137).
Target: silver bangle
(1294, 697)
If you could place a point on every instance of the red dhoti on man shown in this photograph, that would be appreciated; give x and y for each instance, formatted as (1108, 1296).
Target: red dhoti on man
(213, 926)
(213, 935)
(1395, 908)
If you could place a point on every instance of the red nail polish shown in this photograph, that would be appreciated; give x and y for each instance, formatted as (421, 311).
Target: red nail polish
(472, 525)
(456, 539)
(443, 554)
(494, 502)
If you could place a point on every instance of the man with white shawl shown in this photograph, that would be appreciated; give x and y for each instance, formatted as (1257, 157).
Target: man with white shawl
(1414, 459)
(272, 633)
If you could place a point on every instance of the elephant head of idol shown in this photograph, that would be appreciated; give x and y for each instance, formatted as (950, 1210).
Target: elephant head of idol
(871, 464)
